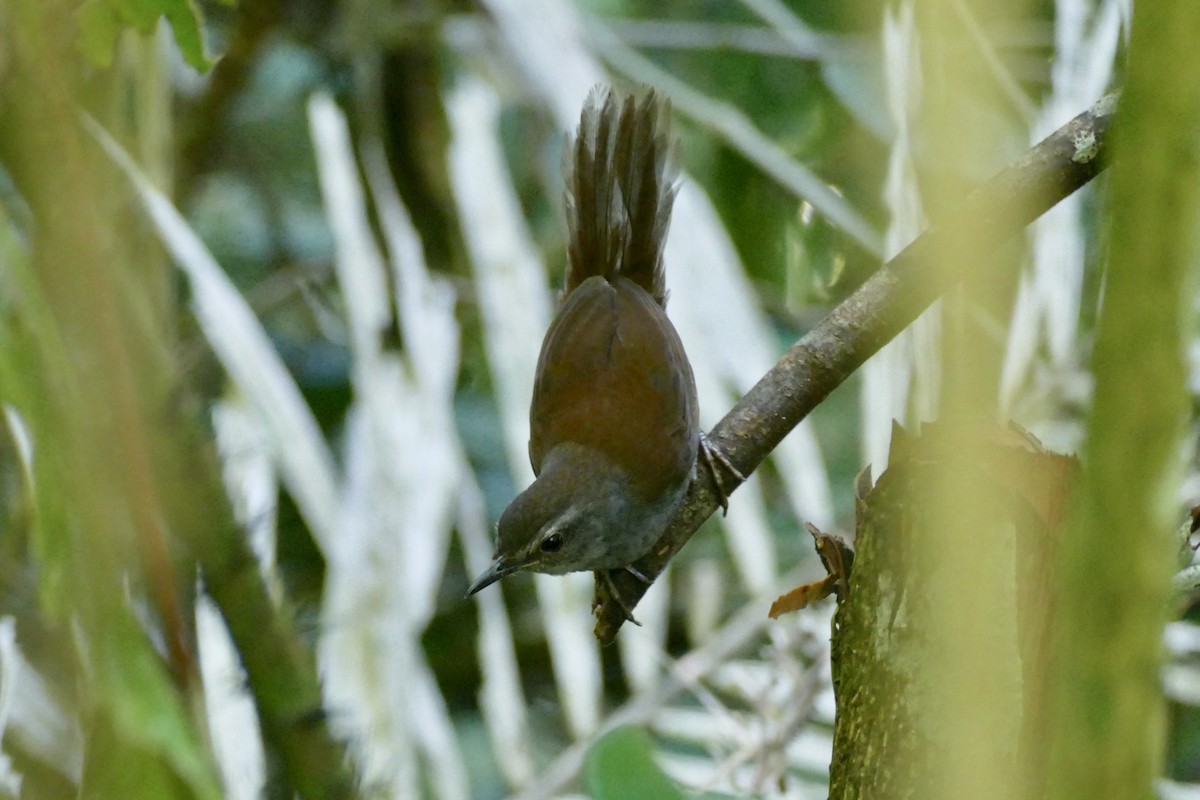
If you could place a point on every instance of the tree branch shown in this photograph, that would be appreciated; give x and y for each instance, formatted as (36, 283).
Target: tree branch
(882, 307)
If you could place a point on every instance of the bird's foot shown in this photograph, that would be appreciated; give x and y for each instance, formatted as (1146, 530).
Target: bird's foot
(635, 572)
(613, 592)
(711, 455)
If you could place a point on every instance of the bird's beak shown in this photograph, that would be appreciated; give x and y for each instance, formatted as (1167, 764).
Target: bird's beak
(495, 572)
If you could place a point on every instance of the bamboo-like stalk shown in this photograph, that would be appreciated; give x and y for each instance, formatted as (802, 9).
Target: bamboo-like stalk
(127, 490)
(1106, 734)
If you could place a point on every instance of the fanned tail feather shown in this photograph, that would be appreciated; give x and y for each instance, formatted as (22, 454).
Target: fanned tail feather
(619, 191)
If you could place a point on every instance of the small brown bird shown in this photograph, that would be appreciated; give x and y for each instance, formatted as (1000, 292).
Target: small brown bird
(614, 431)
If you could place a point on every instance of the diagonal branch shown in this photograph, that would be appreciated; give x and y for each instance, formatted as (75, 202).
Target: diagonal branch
(868, 319)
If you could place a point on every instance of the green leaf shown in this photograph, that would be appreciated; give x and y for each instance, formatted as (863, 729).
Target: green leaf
(99, 26)
(619, 766)
(187, 23)
(147, 715)
(101, 22)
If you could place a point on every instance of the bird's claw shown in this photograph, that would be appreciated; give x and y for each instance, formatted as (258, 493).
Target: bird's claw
(615, 593)
(712, 454)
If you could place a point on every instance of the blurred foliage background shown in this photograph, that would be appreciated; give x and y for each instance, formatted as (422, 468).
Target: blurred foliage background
(370, 197)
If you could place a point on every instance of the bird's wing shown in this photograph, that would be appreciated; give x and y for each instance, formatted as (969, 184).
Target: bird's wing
(613, 375)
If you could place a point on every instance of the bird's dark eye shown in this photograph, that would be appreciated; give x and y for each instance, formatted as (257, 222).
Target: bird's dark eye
(552, 542)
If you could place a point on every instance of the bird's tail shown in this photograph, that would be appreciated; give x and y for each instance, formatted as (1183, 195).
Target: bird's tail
(620, 187)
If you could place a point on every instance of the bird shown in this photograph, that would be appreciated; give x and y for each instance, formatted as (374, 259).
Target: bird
(614, 425)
